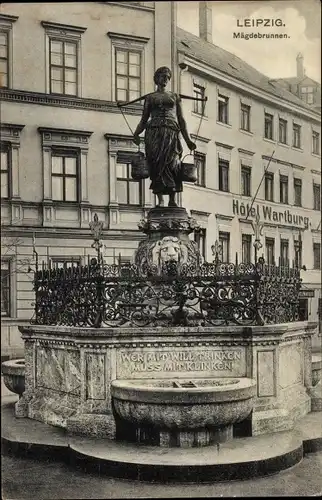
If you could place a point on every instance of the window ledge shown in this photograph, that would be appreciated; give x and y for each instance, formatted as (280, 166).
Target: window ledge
(198, 115)
(297, 149)
(128, 208)
(247, 132)
(14, 320)
(63, 204)
(272, 141)
(227, 125)
(283, 144)
(316, 155)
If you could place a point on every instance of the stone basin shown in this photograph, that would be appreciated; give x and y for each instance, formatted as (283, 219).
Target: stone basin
(13, 372)
(181, 412)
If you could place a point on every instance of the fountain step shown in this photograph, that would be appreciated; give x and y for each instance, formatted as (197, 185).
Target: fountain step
(239, 458)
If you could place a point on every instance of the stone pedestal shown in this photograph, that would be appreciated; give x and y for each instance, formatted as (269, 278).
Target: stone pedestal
(167, 230)
(69, 370)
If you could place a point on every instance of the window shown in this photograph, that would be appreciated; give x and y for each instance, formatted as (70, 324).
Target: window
(199, 93)
(283, 189)
(269, 121)
(64, 176)
(129, 191)
(303, 309)
(64, 263)
(316, 196)
(298, 192)
(298, 253)
(5, 288)
(296, 136)
(245, 117)
(200, 238)
(223, 108)
(284, 253)
(307, 94)
(270, 251)
(282, 131)
(4, 59)
(269, 186)
(223, 175)
(246, 248)
(6, 49)
(224, 241)
(316, 256)
(200, 163)
(315, 143)
(63, 53)
(5, 172)
(245, 181)
(63, 67)
(128, 74)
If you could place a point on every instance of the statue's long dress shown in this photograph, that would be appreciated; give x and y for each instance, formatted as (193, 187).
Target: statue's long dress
(162, 144)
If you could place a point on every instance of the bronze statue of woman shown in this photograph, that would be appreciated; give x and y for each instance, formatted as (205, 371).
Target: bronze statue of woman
(162, 120)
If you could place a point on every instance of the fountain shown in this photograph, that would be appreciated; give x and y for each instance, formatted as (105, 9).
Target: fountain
(13, 372)
(169, 368)
(180, 413)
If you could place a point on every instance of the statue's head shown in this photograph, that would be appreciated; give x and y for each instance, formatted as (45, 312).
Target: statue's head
(162, 76)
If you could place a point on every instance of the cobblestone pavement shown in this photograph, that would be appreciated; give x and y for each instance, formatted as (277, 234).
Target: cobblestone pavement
(24, 479)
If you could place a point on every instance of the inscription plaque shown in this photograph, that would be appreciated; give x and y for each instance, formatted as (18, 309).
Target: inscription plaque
(181, 362)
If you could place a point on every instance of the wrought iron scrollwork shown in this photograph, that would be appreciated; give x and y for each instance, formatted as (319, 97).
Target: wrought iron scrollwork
(101, 295)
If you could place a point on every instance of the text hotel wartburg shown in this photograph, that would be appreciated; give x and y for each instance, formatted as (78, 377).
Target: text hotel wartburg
(260, 23)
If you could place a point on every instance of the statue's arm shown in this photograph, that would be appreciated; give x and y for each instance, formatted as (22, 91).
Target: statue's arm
(183, 127)
(144, 119)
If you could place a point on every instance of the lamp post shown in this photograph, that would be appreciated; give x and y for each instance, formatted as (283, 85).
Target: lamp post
(96, 227)
(258, 232)
(216, 250)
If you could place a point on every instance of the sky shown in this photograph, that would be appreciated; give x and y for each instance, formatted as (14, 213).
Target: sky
(276, 58)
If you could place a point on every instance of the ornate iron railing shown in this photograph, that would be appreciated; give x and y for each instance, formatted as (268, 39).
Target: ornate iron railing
(101, 295)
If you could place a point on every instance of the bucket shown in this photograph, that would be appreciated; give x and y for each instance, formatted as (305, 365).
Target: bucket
(188, 169)
(139, 168)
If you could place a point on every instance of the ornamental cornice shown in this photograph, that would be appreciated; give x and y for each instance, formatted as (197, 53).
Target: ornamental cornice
(8, 18)
(225, 146)
(63, 131)
(52, 343)
(187, 225)
(11, 132)
(63, 27)
(82, 344)
(131, 38)
(60, 137)
(246, 152)
(66, 102)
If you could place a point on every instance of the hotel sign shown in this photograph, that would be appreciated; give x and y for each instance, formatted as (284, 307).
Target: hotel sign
(269, 215)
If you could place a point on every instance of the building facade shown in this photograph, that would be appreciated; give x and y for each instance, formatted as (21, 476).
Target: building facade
(259, 153)
(66, 148)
